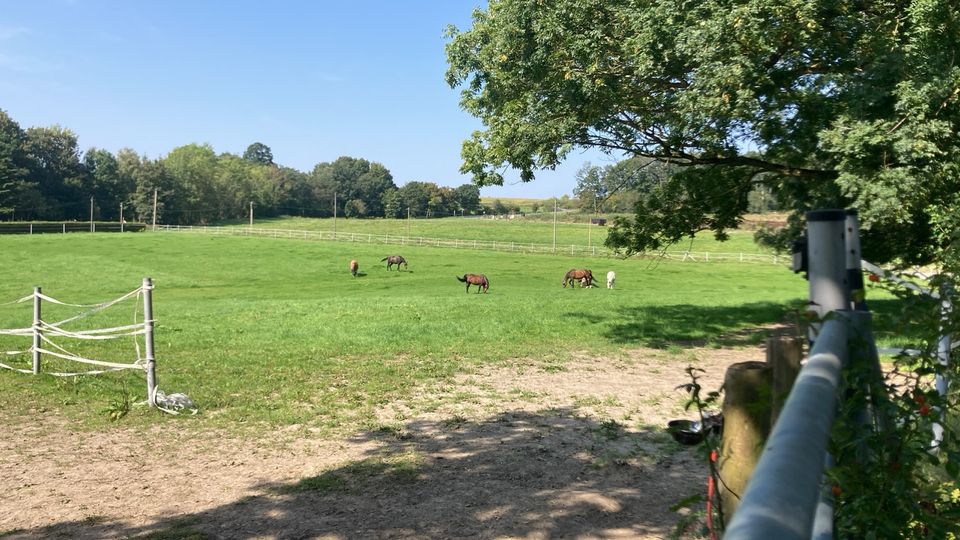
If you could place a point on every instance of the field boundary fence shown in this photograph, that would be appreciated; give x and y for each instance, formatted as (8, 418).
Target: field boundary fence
(486, 245)
(789, 495)
(42, 334)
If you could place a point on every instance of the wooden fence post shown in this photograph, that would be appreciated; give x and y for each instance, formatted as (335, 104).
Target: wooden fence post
(746, 425)
(784, 355)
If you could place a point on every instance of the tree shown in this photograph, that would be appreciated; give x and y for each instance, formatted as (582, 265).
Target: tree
(108, 186)
(841, 104)
(467, 198)
(259, 153)
(591, 188)
(13, 166)
(53, 159)
(193, 168)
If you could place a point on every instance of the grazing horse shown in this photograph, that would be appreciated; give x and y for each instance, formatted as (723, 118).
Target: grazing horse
(479, 280)
(575, 275)
(395, 260)
(354, 266)
(611, 278)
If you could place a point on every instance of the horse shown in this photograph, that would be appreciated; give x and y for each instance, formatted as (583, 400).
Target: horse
(395, 260)
(611, 278)
(575, 275)
(354, 266)
(479, 280)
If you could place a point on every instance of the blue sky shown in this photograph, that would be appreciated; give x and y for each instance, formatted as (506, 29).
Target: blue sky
(311, 80)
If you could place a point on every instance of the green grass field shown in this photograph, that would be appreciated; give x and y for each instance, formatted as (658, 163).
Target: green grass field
(502, 230)
(263, 331)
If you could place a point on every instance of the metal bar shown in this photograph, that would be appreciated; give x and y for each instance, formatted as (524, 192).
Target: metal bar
(827, 265)
(148, 341)
(36, 330)
(782, 497)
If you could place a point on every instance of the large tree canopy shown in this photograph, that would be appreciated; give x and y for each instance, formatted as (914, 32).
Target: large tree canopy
(839, 103)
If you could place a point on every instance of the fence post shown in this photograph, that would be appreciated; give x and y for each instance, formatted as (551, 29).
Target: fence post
(148, 341)
(36, 330)
(854, 271)
(943, 354)
(827, 261)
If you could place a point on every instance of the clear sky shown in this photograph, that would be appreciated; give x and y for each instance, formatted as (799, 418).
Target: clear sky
(313, 80)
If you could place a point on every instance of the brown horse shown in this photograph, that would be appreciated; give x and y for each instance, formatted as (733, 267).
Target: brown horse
(578, 274)
(479, 280)
(354, 266)
(395, 260)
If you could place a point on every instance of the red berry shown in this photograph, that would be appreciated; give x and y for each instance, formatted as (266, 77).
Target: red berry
(919, 398)
(924, 410)
(836, 490)
(874, 278)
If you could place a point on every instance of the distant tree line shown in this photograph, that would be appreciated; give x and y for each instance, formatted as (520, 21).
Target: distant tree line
(45, 176)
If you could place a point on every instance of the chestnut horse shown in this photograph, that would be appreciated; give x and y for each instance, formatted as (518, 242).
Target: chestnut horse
(354, 266)
(577, 274)
(395, 260)
(479, 280)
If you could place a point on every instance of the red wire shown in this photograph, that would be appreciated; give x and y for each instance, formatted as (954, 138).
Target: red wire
(713, 534)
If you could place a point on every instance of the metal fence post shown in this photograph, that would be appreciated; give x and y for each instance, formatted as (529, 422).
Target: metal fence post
(827, 265)
(943, 353)
(854, 256)
(148, 341)
(36, 330)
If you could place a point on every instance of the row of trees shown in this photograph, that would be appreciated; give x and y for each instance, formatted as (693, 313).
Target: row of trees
(620, 187)
(44, 175)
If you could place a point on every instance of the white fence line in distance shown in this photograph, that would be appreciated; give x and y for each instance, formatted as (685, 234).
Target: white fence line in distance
(488, 245)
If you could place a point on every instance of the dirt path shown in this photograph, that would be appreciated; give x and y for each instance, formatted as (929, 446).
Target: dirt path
(518, 452)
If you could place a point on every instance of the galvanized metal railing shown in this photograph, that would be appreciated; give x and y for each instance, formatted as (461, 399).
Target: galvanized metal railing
(786, 497)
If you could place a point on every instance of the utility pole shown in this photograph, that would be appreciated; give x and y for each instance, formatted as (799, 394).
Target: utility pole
(154, 210)
(251, 214)
(121, 217)
(408, 222)
(554, 225)
(334, 215)
(91, 213)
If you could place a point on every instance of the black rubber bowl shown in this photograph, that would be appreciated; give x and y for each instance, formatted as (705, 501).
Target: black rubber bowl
(686, 432)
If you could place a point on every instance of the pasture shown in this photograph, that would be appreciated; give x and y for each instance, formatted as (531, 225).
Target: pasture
(277, 332)
(531, 231)
(390, 404)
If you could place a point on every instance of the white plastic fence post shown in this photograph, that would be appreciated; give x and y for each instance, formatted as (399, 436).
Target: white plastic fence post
(36, 330)
(943, 354)
(148, 341)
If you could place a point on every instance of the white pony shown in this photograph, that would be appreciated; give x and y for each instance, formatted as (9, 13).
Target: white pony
(611, 277)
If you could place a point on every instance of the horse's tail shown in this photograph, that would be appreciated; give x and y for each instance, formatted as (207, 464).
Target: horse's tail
(383, 259)
(462, 279)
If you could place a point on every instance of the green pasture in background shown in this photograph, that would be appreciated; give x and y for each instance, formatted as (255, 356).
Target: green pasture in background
(502, 230)
(267, 332)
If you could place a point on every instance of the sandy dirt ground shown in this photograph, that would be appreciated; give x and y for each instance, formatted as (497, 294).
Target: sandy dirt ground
(518, 451)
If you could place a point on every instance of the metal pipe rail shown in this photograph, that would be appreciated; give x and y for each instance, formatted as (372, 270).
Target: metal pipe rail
(781, 499)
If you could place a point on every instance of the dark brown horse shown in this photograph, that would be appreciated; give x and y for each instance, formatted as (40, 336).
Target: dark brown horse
(479, 280)
(578, 274)
(394, 260)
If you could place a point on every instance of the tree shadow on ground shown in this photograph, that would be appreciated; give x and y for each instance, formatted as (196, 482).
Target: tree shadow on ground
(689, 325)
(550, 474)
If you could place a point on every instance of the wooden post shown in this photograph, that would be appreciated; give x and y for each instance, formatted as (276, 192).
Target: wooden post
(154, 226)
(36, 330)
(746, 425)
(148, 341)
(784, 355)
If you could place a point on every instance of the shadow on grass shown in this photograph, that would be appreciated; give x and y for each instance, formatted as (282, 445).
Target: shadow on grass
(688, 325)
(548, 474)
